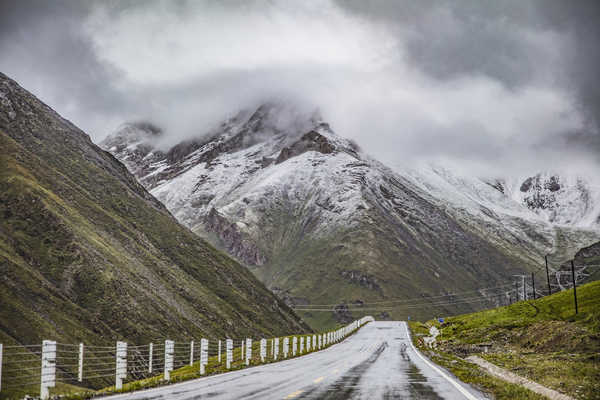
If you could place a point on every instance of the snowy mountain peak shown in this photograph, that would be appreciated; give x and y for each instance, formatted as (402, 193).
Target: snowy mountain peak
(275, 161)
(560, 199)
(282, 192)
(132, 135)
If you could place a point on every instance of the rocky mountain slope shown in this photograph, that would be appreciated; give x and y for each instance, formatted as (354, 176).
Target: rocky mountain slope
(87, 254)
(319, 221)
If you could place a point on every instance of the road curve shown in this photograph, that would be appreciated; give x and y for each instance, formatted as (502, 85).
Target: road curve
(378, 362)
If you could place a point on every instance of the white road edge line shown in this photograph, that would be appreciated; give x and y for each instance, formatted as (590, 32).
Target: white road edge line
(439, 371)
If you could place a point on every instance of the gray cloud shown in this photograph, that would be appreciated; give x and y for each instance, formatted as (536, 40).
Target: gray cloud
(485, 85)
(580, 20)
(513, 42)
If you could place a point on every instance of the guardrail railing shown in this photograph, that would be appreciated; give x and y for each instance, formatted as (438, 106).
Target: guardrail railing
(23, 367)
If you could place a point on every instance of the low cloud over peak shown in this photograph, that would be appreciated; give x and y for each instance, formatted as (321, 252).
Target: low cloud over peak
(487, 86)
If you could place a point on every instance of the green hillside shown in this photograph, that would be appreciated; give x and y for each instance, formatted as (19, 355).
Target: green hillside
(543, 340)
(86, 254)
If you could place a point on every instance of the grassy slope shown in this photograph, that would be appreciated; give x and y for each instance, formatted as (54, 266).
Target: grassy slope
(86, 254)
(542, 340)
(389, 251)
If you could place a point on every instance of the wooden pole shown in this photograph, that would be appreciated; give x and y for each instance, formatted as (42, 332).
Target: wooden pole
(574, 285)
(548, 275)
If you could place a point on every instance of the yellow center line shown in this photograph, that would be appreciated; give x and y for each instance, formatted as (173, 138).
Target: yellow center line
(292, 395)
(319, 379)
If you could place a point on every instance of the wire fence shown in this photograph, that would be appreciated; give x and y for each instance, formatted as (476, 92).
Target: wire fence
(38, 368)
(523, 287)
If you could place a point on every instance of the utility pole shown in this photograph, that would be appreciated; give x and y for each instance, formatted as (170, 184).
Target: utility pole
(533, 285)
(524, 292)
(548, 275)
(574, 284)
(516, 292)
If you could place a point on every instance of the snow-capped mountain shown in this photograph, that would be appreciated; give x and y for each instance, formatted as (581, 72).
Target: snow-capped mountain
(320, 221)
(564, 200)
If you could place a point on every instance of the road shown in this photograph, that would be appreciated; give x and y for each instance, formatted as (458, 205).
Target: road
(378, 362)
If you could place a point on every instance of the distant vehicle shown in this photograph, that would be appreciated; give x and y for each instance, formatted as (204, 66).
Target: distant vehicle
(441, 320)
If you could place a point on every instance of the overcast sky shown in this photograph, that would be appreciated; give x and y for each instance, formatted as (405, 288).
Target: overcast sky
(487, 85)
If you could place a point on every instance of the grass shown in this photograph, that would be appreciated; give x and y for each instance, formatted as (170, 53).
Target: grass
(542, 340)
(87, 255)
(472, 374)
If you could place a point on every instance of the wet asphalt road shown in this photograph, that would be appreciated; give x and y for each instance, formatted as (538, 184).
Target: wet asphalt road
(378, 362)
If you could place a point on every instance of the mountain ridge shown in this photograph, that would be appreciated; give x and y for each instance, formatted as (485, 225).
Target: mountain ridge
(88, 254)
(329, 210)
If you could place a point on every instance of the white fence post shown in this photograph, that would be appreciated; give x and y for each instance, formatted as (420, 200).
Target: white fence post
(248, 350)
(1, 366)
(228, 352)
(263, 349)
(169, 354)
(286, 346)
(219, 354)
(121, 365)
(308, 344)
(48, 378)
(192, 352)
(203, 355)
(294, 345)
(150, 348)
(80, 364)
(242, 345)
(276, 349)
(301, 344)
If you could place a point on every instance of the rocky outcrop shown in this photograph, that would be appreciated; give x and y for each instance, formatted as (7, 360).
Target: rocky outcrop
(233, 240)
(590, 252)
(561, 200)
(311, 141)
(342, 314)
(357, 277)
(288, 298)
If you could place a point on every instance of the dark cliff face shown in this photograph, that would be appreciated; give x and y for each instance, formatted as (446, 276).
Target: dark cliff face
(311, 141)
(589, 257)
(589, 252)
(87, 254)
(540, 192)
(233, 240)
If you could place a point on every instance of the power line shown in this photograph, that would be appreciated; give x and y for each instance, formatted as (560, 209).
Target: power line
(436, 304)
(395, 301)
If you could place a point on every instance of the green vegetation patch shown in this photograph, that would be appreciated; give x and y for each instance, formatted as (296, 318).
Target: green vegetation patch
(542, 340)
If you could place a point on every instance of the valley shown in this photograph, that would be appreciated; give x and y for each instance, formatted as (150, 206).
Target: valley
(321, 222)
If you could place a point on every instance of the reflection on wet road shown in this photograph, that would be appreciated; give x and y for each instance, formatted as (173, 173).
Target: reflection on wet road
(378, 362)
